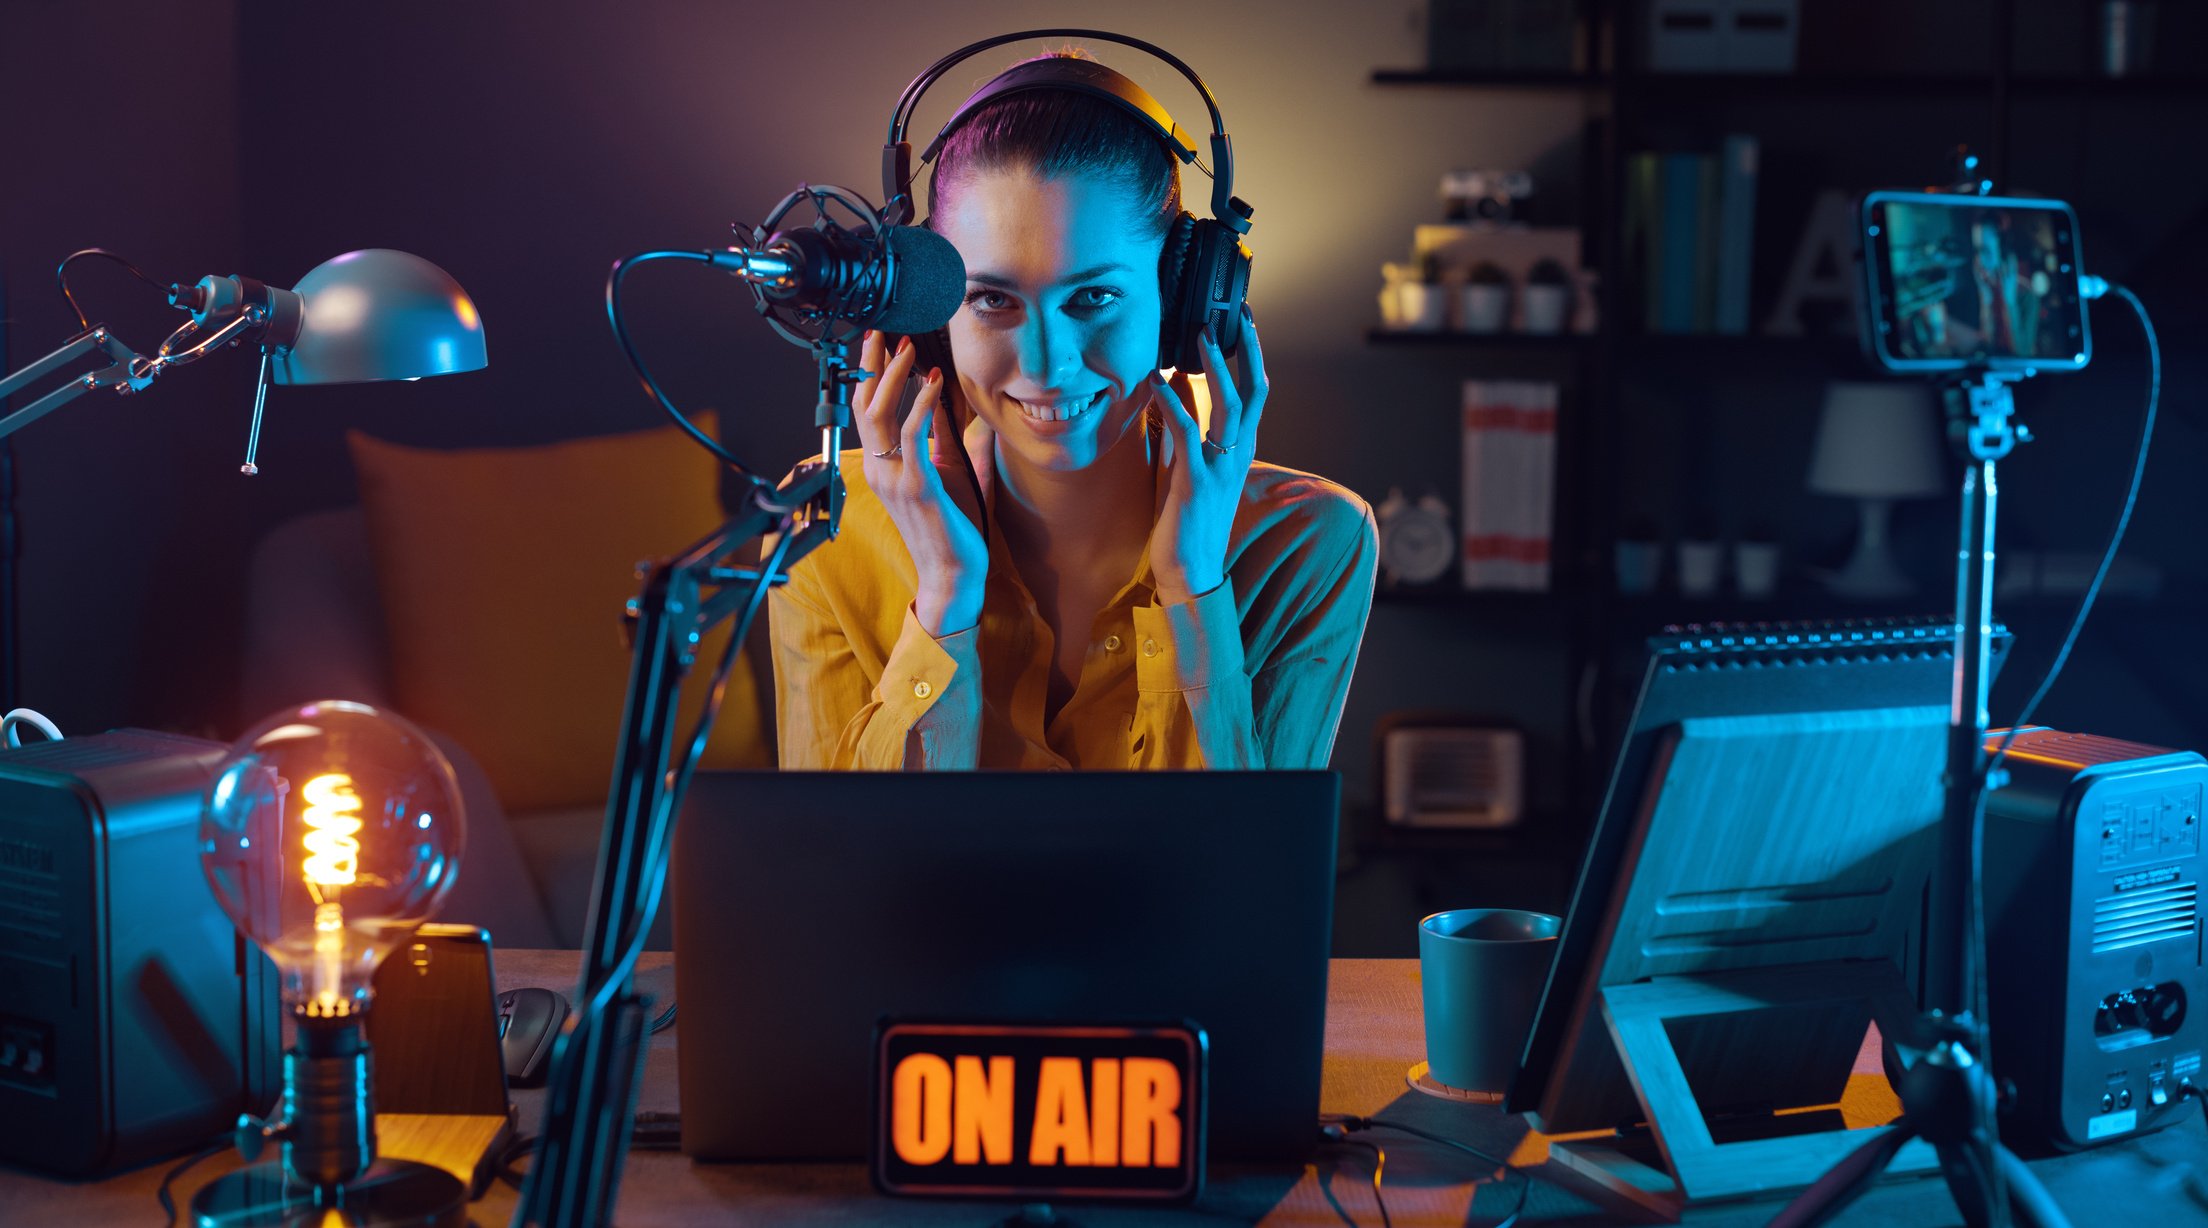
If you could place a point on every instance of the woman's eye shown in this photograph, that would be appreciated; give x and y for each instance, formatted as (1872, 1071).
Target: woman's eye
(1092, 297)
(987, 300)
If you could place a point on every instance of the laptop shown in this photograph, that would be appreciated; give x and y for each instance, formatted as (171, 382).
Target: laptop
(808, 906)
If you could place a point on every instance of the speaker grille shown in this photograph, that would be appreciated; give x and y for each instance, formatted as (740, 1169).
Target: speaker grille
(2136, 918)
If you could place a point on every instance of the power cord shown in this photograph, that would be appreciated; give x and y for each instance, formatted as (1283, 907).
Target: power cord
(2093, 288)
(1337, 1129)
(61, 278)
(614, 281)
(2123, 518)
(1379, 1167)
(168, 1201)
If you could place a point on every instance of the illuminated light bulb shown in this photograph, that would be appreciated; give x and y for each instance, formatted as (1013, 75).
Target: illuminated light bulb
(330, 832)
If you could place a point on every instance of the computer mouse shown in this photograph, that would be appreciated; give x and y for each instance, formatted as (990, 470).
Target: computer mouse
(528, 1020)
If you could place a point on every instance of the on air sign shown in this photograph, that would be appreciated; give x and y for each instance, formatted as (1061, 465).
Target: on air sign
(975, 1110)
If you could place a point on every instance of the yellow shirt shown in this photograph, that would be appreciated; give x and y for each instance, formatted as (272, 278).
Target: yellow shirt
(1249, 675)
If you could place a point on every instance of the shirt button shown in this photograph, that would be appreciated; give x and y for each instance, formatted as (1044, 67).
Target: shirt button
(1150, 648)
(1111, 643)
(921, 689)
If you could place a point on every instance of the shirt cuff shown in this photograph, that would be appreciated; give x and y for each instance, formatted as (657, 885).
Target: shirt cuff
(921, 666)
(1187, 646)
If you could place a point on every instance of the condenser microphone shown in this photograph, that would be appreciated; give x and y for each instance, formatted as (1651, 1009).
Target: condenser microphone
(910, 282)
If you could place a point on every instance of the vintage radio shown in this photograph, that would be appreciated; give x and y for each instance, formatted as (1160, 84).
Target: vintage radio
(1439, 773)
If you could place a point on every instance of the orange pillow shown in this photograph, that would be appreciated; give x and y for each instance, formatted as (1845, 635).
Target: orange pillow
(504, 572)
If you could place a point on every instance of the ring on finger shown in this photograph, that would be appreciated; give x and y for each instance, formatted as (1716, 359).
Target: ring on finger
(1218, 449)
(893, 452)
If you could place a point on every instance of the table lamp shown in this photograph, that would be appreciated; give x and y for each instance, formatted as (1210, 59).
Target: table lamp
(330, 831)
(373, 314)
(1876, 443)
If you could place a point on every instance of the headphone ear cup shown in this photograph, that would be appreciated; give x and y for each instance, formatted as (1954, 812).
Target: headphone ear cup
(1173, 284)
(1214, 279)
(934, 350)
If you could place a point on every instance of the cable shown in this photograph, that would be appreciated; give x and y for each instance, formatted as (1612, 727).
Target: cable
(12, 736)
(1980, 1002)
(665, 1021)
(1379, 1167)
(2115, 537)
(1351, 1123)
(168, 1203)
(614, 280)
(663, 822)
(61, 277)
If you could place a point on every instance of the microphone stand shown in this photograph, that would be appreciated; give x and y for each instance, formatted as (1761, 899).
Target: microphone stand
(1947, 1093)
(590, 1101)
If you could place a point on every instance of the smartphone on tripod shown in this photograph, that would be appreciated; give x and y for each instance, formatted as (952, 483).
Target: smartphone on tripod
(1963, 283)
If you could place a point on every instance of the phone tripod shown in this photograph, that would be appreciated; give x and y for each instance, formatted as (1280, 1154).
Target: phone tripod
(1947, 1092)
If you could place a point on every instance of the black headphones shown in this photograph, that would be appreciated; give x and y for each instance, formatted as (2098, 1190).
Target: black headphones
(1204, 271)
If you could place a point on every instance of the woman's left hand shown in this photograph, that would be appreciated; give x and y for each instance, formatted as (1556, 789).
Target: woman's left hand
(1188, 545)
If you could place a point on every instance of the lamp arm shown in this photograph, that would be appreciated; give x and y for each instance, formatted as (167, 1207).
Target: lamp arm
(127, 371)
(590, 1099)
(118, 374)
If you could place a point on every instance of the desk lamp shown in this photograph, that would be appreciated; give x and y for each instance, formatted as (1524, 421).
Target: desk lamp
(329, 833)
(1876, 443)
(374, 314)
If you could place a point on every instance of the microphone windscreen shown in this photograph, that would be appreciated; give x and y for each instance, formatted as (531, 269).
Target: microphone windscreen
(931, 282)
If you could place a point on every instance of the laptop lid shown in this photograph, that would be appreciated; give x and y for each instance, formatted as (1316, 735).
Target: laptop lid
(810, 905)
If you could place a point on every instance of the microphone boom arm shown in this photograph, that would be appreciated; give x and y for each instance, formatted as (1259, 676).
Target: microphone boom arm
(590, 1101)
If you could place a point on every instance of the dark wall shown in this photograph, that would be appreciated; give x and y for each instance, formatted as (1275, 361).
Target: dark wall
(523, 146)
(119, 128)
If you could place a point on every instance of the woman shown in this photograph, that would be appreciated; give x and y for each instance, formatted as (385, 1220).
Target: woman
(1135, 590)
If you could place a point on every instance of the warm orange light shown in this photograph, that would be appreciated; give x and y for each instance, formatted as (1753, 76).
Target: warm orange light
(1104, 1113)
(1056, 1110)
(1150, 1107)
(1061, 1115)
(920, 1109)
(982, 1113)
(333, 825)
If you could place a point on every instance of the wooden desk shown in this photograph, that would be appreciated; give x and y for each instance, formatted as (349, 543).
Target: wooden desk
(1373, 1034)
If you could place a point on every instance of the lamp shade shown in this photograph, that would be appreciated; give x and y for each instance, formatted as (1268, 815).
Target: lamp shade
(378, 314)
(1877, 441)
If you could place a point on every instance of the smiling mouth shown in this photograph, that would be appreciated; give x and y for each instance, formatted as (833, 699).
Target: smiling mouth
(1062, 411)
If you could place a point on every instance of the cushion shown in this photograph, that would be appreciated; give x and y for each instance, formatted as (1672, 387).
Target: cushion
(503, 574)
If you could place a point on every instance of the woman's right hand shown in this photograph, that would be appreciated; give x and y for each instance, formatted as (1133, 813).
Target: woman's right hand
(923, 489)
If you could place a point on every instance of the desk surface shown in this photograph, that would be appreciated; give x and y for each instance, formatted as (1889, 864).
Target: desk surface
(1373, 1035)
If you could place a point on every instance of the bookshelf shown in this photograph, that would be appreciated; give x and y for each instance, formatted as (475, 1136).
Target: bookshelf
(1629, 382)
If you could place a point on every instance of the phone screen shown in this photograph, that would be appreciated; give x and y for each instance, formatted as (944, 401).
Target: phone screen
(1962, 282)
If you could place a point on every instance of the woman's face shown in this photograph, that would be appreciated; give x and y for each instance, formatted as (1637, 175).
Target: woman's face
(1060, 325)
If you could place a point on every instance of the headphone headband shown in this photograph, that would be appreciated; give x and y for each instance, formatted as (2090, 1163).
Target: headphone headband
(1089, 78)
(1077, 77)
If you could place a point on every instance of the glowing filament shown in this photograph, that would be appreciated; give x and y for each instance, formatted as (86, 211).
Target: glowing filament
(329, 962)
(333, 818)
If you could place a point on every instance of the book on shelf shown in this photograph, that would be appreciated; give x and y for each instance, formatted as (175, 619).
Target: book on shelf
(1690, 228)
(1681, 238)
(1509, 484)
(1738, 164)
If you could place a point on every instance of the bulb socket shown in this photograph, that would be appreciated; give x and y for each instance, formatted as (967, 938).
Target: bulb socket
(331, 1136)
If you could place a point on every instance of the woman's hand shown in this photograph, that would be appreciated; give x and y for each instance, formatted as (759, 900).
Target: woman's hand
(907, 469)
(1188, 545)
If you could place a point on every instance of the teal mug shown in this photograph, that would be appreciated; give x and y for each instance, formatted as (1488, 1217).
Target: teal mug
(1481, 972)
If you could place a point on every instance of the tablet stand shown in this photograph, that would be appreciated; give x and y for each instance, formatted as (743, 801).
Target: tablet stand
(1696, 1166)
